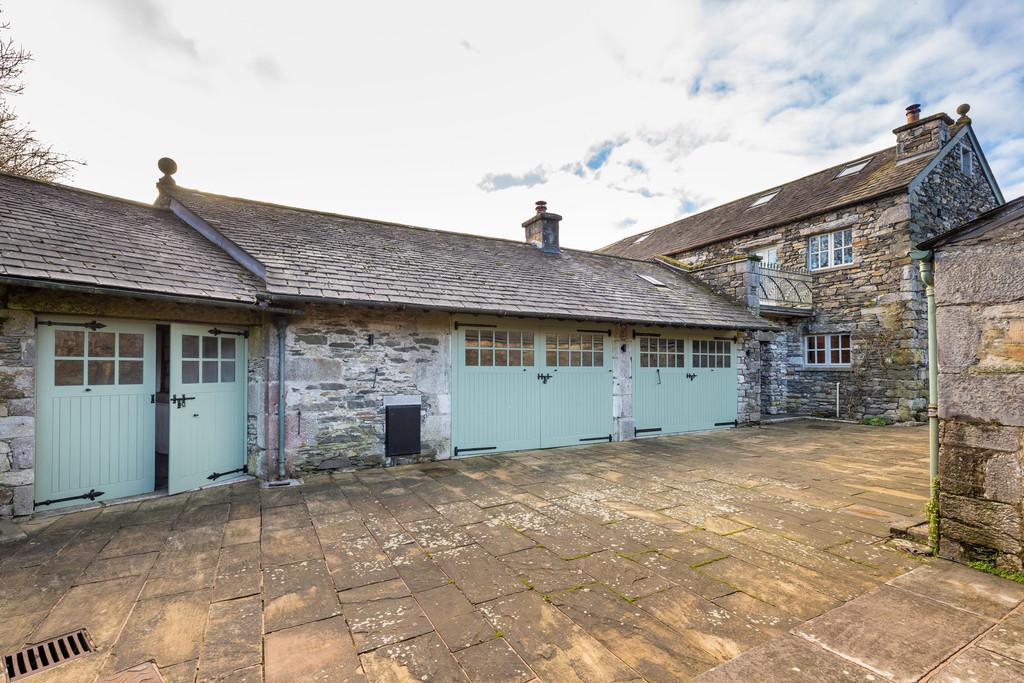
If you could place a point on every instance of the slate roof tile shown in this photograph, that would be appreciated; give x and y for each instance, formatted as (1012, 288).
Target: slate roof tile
(53, 232)
(311, 253)
(805, 197)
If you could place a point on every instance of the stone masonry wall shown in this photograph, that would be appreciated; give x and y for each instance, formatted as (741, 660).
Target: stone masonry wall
(980, 324)
(871, 299)
(948, 197)
(337, 381)
(17, 409)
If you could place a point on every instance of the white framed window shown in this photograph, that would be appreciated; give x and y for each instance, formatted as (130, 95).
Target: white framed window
(712, 354)
(830, 249)
(966, 160)
(855, 167)
(764, 199)
(827, 350)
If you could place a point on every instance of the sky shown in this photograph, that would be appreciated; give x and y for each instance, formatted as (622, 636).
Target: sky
(460, 115)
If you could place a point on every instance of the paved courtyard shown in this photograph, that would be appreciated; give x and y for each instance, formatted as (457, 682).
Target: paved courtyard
(653, 560)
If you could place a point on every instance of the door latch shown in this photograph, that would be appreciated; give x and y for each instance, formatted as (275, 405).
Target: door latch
(180, 400)
(543, 378)
(691, 376)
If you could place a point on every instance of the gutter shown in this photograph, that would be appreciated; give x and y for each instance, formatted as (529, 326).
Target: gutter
(926, 263)
(138, 294)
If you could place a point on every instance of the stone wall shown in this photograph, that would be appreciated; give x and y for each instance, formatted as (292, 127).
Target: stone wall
(749, 366)
(337, 379)
(948, 197)
(980, 324)
(872, 299)
(17, 409)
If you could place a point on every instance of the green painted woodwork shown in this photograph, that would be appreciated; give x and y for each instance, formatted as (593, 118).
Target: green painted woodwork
(501, 404)
(207, 433)
(674, 391)
(95, 422)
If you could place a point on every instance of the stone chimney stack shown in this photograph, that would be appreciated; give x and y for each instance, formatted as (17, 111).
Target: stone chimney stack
(542, 229)
(918, 135)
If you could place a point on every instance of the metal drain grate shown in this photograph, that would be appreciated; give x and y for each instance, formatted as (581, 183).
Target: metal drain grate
(47, 654)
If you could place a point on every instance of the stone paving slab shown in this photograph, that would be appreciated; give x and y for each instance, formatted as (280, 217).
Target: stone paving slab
(660, 559)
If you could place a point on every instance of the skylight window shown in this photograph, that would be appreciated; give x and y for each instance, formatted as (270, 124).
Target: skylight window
(642, 237)
(764, 199)
(855, 167)
(653, 281)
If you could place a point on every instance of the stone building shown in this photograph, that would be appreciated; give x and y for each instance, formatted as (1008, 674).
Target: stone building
(827, 257)
(979, 294)
(162, 348)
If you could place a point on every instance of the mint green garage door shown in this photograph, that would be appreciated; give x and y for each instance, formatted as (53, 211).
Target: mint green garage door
(95, 435)
(207, 410)
(521, 388)
(683, 383)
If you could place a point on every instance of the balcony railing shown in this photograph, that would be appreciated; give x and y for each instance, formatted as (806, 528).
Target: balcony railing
(782, 289)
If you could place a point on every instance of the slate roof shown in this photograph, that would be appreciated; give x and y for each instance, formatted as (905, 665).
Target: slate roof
(62, 234)
(808, 196)
(318, 255)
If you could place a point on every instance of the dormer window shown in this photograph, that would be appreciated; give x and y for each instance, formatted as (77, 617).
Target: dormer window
(966, 160)
(764, 199)
(855, 167)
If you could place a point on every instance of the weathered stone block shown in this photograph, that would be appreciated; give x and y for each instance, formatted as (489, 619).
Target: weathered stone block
(981, 522)
(983, 397)
(24, 498)
(14, 478)
(993, 437)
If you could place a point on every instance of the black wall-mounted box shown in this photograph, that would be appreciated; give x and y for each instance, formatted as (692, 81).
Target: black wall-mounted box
(401, 430)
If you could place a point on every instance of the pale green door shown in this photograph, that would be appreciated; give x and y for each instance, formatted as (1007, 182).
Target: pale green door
(663, 385)
(576, 396)
(207, 406)
(683, 384)
(714, 362)
(496, 390)
(518, 389)
(95, 416)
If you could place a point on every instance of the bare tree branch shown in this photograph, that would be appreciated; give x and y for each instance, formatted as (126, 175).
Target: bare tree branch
(21, 152)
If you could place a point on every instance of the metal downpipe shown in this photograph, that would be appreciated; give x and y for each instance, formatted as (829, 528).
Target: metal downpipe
(926, 264)
(282, 336)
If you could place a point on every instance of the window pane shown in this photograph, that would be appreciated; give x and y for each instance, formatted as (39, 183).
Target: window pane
(821, 356)
(810, 355)
(501, 356)
(472, 357)
(515, 358)
(472, 338)
(587, 359)
(69, 343)
(101, 344)
(551, 358)
(129, 372)
(500, 340)
(101, 371)
(227, 371)
(486, 356)
(563, 358)
(209, 347)
(598, 359)
(844, 356)
(528, 357)
(67, 373)
(209, 371)
(227, 347)
(189, 346)
(129, 345)
(834, 355)
(645, 360)
(190, 370)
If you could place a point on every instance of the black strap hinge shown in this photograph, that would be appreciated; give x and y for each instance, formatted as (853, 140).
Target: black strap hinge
(91, 325)
(244, 469)
(599, 438)
(645, 431)
(734, 423)
(238, 333)
(92, 495)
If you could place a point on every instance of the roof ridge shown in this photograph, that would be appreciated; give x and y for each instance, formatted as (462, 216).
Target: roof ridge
(80, 190)
(378, 221)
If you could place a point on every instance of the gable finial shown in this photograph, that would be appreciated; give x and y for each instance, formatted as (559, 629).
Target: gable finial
(168, 167)
(962, 111)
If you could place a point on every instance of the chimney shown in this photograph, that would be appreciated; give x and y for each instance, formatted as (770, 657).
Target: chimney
(918, 135)
(168, 167)
(542, 229)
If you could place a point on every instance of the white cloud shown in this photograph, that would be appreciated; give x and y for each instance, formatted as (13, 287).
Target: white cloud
(462, 117)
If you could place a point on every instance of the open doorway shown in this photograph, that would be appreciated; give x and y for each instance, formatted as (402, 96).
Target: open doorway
(163, 385)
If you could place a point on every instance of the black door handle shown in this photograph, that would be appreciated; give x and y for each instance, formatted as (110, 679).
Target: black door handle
(180, 400)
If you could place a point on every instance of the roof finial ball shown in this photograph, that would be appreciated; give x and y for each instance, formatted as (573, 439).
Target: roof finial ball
(168, 167)
(962, 110)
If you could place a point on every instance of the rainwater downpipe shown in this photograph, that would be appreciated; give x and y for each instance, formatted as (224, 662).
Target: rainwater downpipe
(926, 263)
(282, 336)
